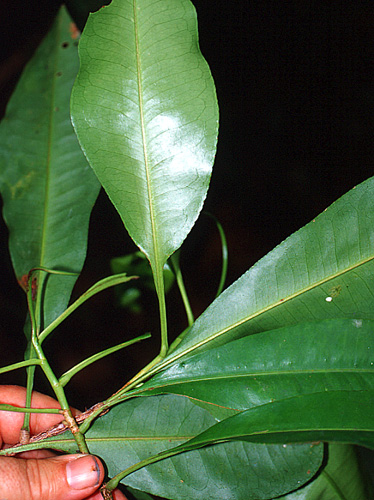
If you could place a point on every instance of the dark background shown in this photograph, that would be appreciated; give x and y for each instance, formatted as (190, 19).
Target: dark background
(295, 86)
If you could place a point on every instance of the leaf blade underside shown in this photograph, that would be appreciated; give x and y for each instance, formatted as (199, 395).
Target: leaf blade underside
(47, 186)
(144, 98)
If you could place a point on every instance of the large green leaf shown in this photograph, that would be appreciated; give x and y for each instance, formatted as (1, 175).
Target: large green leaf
(293, 420)
(338, 416)
(341, 479)
(47, 186)
(312, 357)
(324, 270)
(141, 427)
(145, 112)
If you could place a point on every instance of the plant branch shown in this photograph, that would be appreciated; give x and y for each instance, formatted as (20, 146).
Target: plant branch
(160, 289)
(60, 394)
(20, 364)
(30, 330)
(182, 289)
(67, 376)
(6, 407)
(224, 253)
(113, 482)
(97, 287)
(98, 409)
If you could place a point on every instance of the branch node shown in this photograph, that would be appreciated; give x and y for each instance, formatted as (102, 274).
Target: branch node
(106, 494)
(24, 436)
(70, 422)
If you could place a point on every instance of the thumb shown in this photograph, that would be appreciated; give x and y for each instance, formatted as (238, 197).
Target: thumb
(69, 477)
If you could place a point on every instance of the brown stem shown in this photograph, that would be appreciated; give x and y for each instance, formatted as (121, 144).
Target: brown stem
(63, 426)
(107, 495)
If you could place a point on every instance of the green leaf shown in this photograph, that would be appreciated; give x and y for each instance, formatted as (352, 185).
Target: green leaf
(328, 355)
(47, 186)
(324, 270)
(142, 427)
(145, 112)
(341, 479)
(336, 416)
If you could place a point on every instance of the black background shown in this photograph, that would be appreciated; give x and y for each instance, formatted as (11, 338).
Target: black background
(295, 87)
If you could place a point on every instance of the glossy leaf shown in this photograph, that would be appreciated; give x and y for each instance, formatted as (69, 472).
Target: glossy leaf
(337, 416)
(144, 109)
(328, 355)
(341, 479)
(142, 427)
(46, 184)
(324, 270)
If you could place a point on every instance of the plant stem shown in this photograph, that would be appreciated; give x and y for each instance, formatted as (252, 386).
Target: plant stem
(6, 407)
(119, 395)
(60, 395)
(178, 340)
(113, 483)
(97, 287)
(224, 253)
(182, 289)
(143, 374)
(25, 429)
(30, 330)
(20, 364)
(160, 288)
(67, 376)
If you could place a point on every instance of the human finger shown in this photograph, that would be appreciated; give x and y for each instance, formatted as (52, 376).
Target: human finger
(68, 477)
(11, 422)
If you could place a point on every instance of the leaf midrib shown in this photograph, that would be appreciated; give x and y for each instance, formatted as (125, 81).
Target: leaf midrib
(262, 311)
(121, 439)
(49, 148)
(144, 139)
(261, 374)
(332, 484)
(283, 433)
(90, 439)
(47, 187)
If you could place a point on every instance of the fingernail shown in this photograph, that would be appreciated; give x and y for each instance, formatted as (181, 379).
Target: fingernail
(83, 472)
